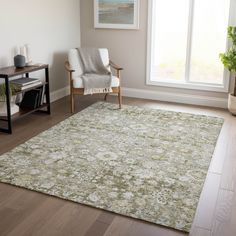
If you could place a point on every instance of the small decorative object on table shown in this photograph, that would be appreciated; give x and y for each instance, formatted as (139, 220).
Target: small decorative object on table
(19, 61)
(26, 52)
(23, 56)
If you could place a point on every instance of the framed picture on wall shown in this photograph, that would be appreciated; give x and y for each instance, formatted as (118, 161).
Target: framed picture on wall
(116, 14)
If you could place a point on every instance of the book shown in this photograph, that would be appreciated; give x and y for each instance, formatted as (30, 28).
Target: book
(29, 86)
(24, 81)
(30, 99)
(40, 96)
(43, 94)
(40, 93)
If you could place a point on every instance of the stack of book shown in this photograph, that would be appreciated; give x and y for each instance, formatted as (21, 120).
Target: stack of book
(33, 98)
(25, 83)
(32, 91)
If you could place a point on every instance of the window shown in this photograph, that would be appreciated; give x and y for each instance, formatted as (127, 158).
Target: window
(185, 39)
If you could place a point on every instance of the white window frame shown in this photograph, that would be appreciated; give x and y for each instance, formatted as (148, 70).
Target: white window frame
(185, 84)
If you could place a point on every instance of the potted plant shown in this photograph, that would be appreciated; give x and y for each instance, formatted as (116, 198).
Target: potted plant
(3, 105)
(229, 60)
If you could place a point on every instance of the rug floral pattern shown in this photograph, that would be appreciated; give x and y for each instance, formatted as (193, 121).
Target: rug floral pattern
(144, 163)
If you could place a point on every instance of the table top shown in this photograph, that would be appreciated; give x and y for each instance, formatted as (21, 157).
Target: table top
(11, 71)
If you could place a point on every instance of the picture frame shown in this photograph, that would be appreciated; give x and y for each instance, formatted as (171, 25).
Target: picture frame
(116, 14)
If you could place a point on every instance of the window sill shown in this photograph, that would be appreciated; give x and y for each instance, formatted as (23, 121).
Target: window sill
(193, 86)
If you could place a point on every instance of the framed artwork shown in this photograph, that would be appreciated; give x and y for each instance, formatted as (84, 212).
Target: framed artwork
(116, 14)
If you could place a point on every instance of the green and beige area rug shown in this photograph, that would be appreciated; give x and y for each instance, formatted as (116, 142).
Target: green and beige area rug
(143, 163)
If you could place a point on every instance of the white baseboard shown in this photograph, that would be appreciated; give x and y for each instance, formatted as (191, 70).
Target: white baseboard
(58, 94)
(157, 95)
(175, 97)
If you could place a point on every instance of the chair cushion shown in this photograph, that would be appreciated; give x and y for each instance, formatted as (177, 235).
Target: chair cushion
(76, 64)
(78, 83)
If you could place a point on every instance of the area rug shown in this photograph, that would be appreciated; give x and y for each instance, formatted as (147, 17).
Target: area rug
(143, 163)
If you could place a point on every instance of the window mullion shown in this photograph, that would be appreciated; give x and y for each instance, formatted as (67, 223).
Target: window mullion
(189, 40)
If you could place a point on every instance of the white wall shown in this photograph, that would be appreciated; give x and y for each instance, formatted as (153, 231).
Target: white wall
(51, 27)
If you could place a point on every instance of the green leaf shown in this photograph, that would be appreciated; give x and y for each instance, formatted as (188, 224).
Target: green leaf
(229, 58)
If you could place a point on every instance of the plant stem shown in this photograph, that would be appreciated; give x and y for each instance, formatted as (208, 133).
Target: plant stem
(235, 87)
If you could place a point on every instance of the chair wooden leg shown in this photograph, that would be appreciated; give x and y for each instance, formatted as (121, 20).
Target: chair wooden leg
(72, 103)
(120, 99)
(105, 98)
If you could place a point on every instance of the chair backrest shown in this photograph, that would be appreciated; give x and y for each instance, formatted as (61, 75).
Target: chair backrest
(76, 64)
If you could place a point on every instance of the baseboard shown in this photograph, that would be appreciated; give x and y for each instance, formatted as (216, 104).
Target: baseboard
(58, 94)
(175, 97)
(157, 95)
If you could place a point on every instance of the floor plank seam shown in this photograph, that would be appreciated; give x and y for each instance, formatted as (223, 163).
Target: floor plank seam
(228, 190)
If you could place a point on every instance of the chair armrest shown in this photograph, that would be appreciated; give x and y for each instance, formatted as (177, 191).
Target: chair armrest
(113, 65)
(67, 66)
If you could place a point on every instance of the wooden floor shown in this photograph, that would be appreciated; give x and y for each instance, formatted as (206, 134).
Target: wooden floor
(27, 213)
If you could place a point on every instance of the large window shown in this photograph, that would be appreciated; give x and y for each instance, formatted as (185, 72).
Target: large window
(185, 39)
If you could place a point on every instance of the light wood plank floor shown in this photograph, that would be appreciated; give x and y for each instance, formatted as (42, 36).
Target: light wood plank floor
(27, 213)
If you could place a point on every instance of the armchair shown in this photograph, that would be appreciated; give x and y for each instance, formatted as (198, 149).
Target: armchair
(74, 70)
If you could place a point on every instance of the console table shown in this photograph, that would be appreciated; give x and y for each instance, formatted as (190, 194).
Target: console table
(8, 72)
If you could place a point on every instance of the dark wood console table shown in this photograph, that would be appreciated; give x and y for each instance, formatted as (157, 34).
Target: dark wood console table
(8, 72)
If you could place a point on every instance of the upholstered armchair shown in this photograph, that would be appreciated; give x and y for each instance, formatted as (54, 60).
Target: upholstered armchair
(74, 69)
